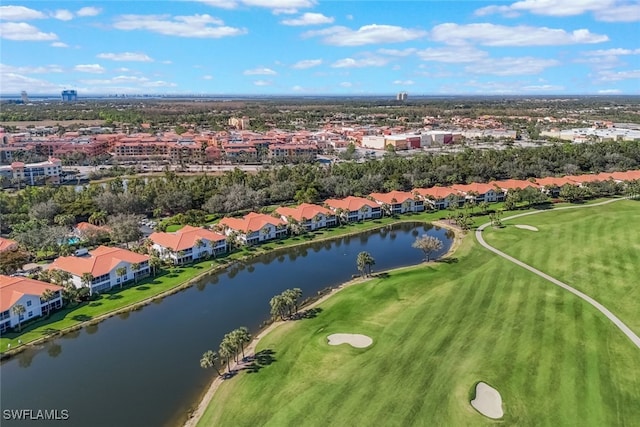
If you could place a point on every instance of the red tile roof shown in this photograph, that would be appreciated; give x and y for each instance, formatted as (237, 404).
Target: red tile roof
(626, 176)
(589, 177)
(7, 244)
(512, 184)
(14, 288)
(185, 238)
(554, 181)
(351, 203)
(303, 212)
(398, 196)
(251, 222)
(101, 261)
(477, 187)
(437, 193)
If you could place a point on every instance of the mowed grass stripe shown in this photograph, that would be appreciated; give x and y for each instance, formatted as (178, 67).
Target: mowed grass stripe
(432, 329)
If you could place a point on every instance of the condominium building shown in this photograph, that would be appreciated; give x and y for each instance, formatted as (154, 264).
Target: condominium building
(33, 173)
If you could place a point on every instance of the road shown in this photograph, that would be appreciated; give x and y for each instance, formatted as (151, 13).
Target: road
(602, 309)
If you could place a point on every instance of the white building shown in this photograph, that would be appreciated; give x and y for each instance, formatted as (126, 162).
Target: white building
(33, 173)
(103, 264)
(188, 244)
(27, 293)
(254, 228)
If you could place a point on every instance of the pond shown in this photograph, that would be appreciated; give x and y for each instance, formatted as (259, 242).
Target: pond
(142, 368)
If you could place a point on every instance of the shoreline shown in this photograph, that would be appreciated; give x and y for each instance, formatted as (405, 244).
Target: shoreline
(195, 415)
(8, 354)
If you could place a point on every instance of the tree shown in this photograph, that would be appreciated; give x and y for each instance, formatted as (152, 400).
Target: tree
(225, 351)
(135, 266)
(208, 360)
(121, 272)
(241, 336)
(428, 245)
(125, 228)
(86, 280)
(47, 296)
(291, 297)
(18, 310)
(200, 244)
(98, 218)
(12, 261)
(364, 262)
(278, 306)
(155, 263)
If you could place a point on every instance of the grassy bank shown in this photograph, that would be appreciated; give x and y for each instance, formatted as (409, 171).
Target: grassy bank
(438, 329)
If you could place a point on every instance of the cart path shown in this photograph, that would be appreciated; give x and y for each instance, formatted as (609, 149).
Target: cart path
(602, 309)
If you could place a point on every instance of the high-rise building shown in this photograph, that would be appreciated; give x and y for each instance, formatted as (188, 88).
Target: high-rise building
(401, 96)
(69, 95)
(25, 98)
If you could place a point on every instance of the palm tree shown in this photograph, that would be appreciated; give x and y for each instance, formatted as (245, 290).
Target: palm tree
(200, 244)
(386, 209)
(18, 310)
(364, 262)
(135, 266)
(180, 255)
(241, 337)
(86, 280)
(121, 272)
(225, 352)
(291, 297)
(98, 218)
(278, 306)
(208, 360)
(47, 296)
(155, 263)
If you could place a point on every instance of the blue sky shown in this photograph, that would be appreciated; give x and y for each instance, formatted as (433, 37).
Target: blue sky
(308, 47)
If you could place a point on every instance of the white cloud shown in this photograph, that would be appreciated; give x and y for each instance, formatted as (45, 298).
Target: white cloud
(43, 69)
(59, 44)
(89, 11)
(614, 51)
(89, 68)
(278, 6)
(613, 76)
(522, 35)
(15, 83)
(403, 82)
(141, 82)
(609, 91)
(306, 63)
(547, 7)
(19, 13)
(346, 84)
(262, 71)
(167, 62)
(603, 10)
(309, 19)
(126, 56)
(207, 77)
(511, 66)
(396, 52)
(620, 13)
(371, 61)
(452, 54)
(24, 32)
(297, 88)
(368, 34)
(543, 88)
(63, 15)
(262, 83)
(159, 83)
(196, 26)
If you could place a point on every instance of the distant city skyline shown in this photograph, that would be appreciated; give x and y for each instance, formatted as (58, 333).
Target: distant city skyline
(308, 47)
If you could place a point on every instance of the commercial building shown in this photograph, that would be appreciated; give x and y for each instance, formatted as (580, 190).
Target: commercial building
(33, 173)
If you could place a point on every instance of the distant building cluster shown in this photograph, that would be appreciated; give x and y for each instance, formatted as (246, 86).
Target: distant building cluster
(69, 95)
(401, 96)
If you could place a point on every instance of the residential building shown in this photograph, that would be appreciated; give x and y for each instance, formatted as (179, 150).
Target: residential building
(103, 263)
(7, 244)
(552, 185)
(440, 197)
(33, 173)
(479, 192)
(27, 293)
(254, 228)
(310, 216)
(355, 208)
(291, 151)
(188, 244)
(503, 187)
(399, 201)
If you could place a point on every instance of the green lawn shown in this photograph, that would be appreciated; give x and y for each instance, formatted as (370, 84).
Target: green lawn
(438, 330)
(595, 250)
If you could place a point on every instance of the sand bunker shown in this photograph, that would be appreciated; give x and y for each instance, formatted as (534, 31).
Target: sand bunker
(526, 227)
(354, 340)
(488, 401)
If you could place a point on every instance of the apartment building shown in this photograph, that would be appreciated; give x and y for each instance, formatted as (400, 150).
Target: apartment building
(33, 173)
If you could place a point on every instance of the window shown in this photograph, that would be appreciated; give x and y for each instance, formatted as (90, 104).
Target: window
(28, 303)
(30, 314)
